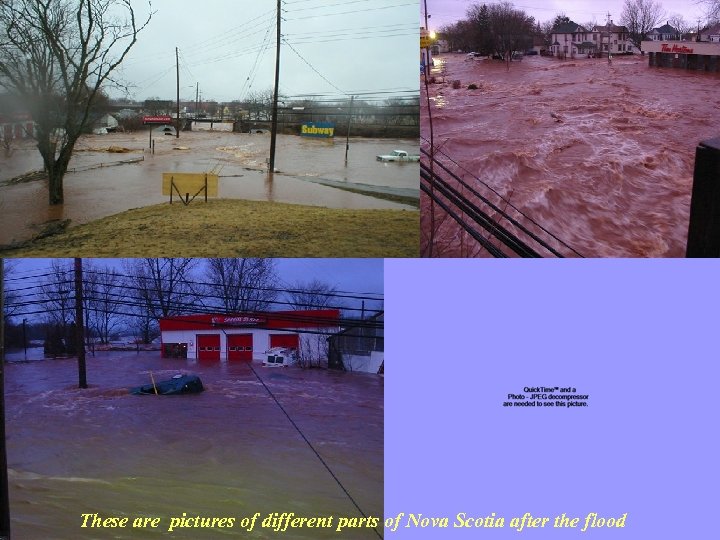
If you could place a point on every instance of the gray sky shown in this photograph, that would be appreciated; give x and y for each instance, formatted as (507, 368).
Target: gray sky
(228, 46)
(346, 275)
(581, 11)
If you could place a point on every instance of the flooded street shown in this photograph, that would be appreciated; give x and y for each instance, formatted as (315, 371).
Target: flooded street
(600, 155)
(227, 452)
(93, 192)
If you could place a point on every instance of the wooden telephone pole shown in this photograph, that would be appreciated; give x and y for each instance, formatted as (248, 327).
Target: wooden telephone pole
(80, 324)
(4, 501)
(177, 75)
(273, 132)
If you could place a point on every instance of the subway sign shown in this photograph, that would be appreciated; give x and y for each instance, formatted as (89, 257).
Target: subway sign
(317, 129)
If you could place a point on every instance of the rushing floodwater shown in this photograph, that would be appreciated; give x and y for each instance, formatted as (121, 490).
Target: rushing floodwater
(92, 193)
(610, 173)
(228, 452)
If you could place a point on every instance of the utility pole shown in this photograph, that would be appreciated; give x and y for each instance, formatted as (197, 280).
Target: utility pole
(177, 75)
(4, 501)
(197, 94)
(80, 324)
(347, 138)
(607, 25)
(273, 132)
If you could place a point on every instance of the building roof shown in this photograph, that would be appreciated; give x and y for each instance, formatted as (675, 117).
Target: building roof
(610, 28)
(315, 318)
(713, 29)
(568, 28)
(666, 29)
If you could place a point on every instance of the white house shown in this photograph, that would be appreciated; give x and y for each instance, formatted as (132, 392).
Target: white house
(611, 38)
(570, 39)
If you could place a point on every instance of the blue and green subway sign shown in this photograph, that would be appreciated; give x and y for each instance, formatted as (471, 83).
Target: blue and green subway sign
(317, 129)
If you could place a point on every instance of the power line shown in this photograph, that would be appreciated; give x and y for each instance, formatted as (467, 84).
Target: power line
(315, 16)
(312, 67)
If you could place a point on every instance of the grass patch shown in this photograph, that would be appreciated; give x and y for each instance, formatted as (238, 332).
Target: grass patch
(228, 228)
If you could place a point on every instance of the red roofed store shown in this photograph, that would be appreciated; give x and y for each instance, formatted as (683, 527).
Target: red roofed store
(242, 337)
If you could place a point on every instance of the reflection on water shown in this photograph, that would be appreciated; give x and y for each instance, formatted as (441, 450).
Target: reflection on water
(93, 193)
(600, 155)
(228, 452)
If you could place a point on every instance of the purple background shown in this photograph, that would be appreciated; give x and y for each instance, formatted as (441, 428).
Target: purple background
(639, 336)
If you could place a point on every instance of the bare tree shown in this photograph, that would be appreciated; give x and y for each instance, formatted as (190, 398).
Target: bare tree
(158, 288)
(713, 10)
(640, 17)
(259, 104)
(314, 350)
(164, 286)
(57, 55)
(679, 23)
(9, 307)
(58, 294)
(314, 295)
(103, 295)
(243, 284)
(512, 29)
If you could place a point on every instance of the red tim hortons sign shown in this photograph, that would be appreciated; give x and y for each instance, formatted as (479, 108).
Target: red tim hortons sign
(161, 119)
(675, 49)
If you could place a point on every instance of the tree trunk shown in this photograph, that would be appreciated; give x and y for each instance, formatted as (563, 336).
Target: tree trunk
(57, 172)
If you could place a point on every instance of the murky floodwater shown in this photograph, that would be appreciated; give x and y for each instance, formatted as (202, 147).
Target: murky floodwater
(92, 193)
(228, 452)
(610, 173)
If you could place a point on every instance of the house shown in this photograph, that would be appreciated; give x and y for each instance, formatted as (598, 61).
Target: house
(539, 44)
(571, 39)
(711, 33)
(440, 46)
(15, 120)
(612, 39)
(664, 33)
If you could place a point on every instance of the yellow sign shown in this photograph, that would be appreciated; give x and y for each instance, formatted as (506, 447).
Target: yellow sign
(424, 38)
(192, 184)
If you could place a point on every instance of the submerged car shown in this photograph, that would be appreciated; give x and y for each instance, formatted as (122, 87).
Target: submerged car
(179, 384)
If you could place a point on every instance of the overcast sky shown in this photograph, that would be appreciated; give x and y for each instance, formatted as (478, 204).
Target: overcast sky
(339, 47)
(359, 276)
(581, 11)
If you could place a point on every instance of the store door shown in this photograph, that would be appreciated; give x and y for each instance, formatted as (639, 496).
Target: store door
(208, 347)
(240, 347)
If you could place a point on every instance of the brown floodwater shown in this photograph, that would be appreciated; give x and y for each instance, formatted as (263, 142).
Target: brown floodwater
(227, 452)
(610, 173)
(93, 192)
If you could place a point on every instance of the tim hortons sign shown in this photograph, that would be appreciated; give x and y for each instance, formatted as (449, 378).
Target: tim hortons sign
(675, 49)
